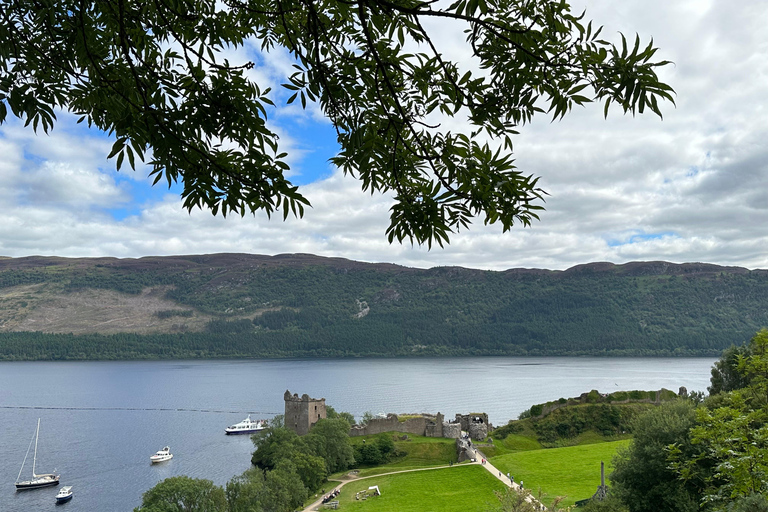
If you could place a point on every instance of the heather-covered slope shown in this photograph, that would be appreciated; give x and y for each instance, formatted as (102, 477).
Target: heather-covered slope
(237, 305)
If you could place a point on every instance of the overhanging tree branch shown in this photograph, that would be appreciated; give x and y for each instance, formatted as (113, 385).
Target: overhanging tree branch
(151, 74)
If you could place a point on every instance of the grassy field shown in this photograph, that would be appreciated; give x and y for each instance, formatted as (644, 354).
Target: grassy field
(462, 488)
(420, 452)
(573, 471)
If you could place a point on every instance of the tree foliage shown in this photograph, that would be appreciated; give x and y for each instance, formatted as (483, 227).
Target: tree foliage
(725, 372)
(642, 477)
(184, 494)
(514, 500)
(156, 77)
(329, 439)
(732, 433)
(310, 458)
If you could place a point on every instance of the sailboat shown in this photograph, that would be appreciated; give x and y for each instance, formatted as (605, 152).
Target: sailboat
(37, 480)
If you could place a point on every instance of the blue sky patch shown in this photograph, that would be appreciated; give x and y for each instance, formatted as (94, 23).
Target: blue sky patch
(638, 238)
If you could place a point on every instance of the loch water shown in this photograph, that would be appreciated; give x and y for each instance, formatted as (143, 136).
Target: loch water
(100, 421)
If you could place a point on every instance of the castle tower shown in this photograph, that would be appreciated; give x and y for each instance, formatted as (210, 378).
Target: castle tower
(302, 412)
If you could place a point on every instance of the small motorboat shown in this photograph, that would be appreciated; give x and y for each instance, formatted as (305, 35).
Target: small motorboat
(161, 455)
(247, 426)
(64, 495)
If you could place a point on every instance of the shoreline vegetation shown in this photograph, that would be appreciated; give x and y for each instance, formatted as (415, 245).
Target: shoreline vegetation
(38, 346)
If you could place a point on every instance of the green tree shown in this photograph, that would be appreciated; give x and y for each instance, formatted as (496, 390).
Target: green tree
(732, 431)
(310, 468)
(284, 490)
(752, 503)
(609, 504)
(245, 492)
(735, 439)
(368, 454)
(329, 439)
(155, 76)
(184, 494)
(725, 372)
(513, 500)
(331, 414)
(642, 478)
(275, 444)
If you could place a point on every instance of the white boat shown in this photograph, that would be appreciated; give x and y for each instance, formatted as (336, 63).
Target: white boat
(37, 481)
(247, 426)
(161, 455)
(65, 494)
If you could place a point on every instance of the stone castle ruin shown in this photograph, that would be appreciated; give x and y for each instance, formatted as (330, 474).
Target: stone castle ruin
(475, 424)
(428, 425)
(301, 413)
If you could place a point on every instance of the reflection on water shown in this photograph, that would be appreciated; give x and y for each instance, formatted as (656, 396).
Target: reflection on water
(102, 420)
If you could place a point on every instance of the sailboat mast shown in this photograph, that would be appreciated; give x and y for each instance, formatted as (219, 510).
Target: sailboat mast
(34, 460)
(25, 459)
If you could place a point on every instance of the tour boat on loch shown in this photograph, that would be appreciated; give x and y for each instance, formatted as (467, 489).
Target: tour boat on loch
(247, 426)
(161, 455)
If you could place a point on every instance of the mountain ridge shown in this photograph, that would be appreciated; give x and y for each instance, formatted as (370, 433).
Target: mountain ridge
(301, 304)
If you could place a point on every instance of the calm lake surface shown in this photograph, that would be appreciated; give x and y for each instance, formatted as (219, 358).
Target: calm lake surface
(100, 421)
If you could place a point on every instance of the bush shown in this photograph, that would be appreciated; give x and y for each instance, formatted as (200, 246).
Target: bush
(593, 397)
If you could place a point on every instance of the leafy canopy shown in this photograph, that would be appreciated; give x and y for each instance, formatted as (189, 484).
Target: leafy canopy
(732, 431)
(155, 76)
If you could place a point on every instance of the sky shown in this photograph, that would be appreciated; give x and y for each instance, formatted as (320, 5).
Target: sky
(692, 187)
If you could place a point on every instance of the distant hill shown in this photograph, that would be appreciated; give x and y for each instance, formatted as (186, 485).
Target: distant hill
(300, 305)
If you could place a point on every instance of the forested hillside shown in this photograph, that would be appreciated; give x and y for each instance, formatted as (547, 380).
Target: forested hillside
(236, 305)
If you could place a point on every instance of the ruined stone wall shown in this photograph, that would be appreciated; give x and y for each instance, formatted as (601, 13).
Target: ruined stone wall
(478, 431)
(452, 430)
(415, 426)
(424, 425)
(301, 413)
(435, 428)
(476, 424)
(583, 399)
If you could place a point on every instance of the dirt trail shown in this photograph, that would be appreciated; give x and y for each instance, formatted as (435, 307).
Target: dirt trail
(317, 503)
(477, 454)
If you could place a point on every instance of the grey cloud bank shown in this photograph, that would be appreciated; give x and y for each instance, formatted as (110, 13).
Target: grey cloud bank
(689, 188)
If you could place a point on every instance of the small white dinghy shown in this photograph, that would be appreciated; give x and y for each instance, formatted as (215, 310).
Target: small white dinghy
(64, 495)
(161, 455)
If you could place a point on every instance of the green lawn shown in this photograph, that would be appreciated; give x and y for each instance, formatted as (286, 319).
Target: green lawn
(457, 489)
(573, 471)
(419, 452)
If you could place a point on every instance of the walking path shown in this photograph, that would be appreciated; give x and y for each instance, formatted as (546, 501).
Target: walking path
(476, 454)
(317, 503)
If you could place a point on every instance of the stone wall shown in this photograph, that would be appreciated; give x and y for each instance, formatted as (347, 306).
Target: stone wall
(416, 426)
(476, 424)
(478, 431)
(461, 451)
(301, 413)
(422, 425)
(451, 430)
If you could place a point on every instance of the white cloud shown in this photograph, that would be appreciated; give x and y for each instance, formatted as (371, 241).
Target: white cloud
(688, 188)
